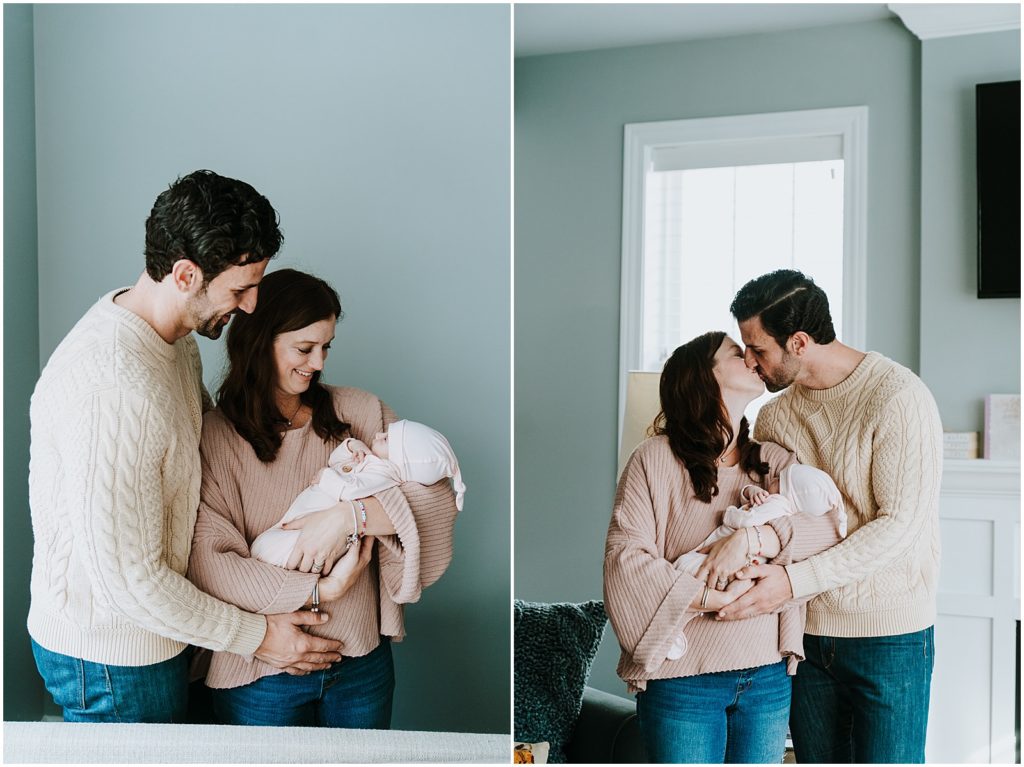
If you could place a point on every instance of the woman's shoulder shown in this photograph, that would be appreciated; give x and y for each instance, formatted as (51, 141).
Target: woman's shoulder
(219, 437)
(656, 445)
(350, 401)
(363, 410)
(653, 452)
(216, 424)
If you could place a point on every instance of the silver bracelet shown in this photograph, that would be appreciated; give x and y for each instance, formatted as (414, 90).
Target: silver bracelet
(316, 597)
(353, 537)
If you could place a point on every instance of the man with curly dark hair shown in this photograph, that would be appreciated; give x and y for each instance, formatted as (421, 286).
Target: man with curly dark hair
(114, 473)
(871, 424)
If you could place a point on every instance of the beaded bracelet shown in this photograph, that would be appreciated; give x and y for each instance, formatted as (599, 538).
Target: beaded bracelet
(362, 511)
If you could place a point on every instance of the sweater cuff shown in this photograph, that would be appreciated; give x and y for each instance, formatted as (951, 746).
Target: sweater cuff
(783, 527)
(296, 588)
(400, 560)
(251, 631)
(802, 579)
(673, 614)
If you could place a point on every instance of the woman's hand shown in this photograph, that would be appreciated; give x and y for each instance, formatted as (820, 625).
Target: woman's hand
(725, 557)
(350, 567)
(718, 599)
(324, 538)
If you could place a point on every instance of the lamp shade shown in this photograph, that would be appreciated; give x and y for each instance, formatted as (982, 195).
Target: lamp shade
(642, 405)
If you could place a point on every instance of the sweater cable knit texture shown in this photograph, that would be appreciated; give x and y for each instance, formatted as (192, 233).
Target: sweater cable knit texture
(878, 435)
(113, 489)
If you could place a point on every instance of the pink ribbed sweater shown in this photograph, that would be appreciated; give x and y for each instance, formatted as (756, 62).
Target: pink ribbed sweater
(241, 497)
(656, 518)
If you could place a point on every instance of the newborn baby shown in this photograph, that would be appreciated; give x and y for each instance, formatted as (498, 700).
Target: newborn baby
(800, 488)
(406, 452)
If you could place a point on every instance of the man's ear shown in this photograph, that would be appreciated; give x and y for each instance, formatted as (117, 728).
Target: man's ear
(798, 343)
(186, 275)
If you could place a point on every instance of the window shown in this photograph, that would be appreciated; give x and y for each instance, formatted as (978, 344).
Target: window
(709, 204)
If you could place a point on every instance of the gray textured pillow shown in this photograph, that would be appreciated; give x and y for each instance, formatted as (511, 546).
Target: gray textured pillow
(555, 644)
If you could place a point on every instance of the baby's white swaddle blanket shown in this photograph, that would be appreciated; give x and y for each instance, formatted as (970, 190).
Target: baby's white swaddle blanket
(416, 453)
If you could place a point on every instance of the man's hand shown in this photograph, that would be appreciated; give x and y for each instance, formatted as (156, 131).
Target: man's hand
(287, 646)
(771, 590)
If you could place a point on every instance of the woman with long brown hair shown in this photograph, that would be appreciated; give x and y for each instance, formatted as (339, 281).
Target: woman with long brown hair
(727, 698)
(273, 429)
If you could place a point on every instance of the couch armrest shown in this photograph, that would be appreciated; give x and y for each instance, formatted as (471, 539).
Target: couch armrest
(606, 731)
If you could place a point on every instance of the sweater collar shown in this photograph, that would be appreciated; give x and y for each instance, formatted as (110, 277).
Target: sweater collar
(150, 339)
(844, 387)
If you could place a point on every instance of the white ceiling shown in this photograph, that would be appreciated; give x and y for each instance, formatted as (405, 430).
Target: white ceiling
(560, 28)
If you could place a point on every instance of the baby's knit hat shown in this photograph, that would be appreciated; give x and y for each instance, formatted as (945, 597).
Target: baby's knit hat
(812, 491)
(423, 455)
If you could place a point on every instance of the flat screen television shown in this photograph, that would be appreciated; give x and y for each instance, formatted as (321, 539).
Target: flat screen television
(998, 123)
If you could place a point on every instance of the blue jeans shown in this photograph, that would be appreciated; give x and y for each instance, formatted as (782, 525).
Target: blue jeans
(353, 693)
(728, 716)
(863, 700)
(96, 692)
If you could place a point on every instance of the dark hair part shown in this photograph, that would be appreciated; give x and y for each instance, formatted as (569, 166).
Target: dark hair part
(786, 301)
(215, 221)
(694, 417)
(288, 300)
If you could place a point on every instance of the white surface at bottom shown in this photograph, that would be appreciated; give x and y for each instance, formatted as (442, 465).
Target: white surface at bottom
(66, 742)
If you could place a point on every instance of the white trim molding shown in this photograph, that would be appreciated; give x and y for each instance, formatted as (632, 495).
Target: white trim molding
(971, 718)
(933, 20)
(642, 140)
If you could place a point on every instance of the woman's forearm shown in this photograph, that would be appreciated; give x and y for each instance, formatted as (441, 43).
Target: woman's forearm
(377, 521)
(765, 542)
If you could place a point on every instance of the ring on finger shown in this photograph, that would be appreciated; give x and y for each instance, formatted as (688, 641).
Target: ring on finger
(317, 567)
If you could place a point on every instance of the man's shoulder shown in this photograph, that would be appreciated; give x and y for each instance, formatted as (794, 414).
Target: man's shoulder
(888, 380)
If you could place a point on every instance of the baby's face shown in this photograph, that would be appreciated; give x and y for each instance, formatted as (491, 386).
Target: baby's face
(379, 446)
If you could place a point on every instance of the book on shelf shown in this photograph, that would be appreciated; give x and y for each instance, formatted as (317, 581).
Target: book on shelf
(960, 444)
(1002, 427)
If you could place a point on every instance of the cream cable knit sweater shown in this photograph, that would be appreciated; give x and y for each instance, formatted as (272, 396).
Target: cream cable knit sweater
(656, 519)
(242, 497)
(878, 435)
(113, 489)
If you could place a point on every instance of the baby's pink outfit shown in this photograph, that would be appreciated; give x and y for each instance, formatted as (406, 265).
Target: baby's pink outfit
(802, 489)
(416, 453)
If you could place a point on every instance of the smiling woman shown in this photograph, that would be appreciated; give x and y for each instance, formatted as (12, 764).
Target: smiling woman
(276, 426)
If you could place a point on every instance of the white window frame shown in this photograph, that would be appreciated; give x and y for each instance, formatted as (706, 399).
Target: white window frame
(641, 140)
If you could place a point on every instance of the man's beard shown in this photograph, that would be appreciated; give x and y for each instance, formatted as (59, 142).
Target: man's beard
(211, 328)
(784, 375)
(207, 326)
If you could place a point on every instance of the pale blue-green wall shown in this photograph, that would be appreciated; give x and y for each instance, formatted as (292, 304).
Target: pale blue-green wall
(570, 110)
(970, 347)
(381, 135)
(23, 696)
